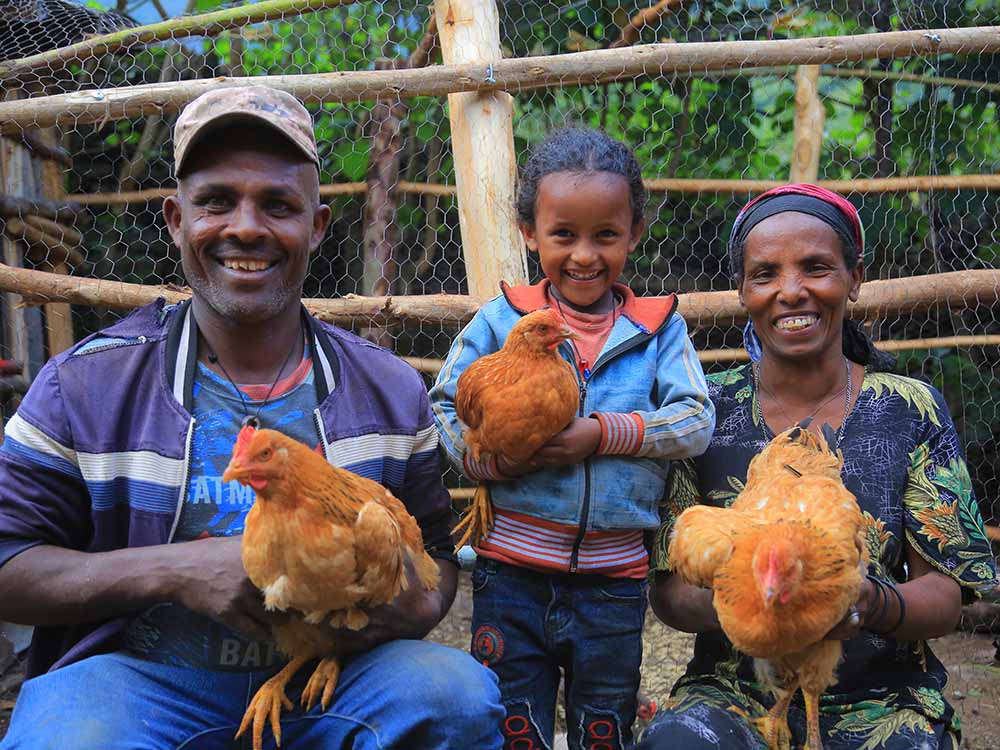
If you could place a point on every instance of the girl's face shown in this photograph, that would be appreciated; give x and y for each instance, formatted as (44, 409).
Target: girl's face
(796, 286)
(583, 232)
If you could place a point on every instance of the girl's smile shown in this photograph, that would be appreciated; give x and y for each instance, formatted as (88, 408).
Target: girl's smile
(583, 232)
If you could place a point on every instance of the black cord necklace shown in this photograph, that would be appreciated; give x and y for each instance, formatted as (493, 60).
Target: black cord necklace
(248, 419)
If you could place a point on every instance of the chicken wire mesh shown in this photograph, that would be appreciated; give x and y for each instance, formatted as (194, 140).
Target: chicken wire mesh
(389, 173)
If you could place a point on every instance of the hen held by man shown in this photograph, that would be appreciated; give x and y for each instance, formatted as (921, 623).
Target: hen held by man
(323, 544)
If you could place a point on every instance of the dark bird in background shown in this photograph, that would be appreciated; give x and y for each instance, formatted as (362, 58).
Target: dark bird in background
(28, 27)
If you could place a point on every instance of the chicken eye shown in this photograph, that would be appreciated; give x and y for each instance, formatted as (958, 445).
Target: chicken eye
(264, 454)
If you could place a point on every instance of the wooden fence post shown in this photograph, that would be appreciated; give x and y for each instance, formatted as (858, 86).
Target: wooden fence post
(22, 327)
(58, 315)
(809, 120)
(482, 138)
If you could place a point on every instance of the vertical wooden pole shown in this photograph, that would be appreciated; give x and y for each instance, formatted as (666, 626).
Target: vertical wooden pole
(810, 117)
(24, 332)
(14, 169)
(58, 315)
(482, 138)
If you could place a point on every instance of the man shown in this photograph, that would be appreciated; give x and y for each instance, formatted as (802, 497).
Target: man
(118, 539)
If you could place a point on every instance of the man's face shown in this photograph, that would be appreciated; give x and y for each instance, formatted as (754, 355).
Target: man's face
(246, 218)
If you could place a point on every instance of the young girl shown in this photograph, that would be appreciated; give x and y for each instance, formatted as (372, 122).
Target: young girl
(559, 581)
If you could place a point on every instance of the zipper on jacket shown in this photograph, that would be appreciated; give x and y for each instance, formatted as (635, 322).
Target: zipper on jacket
(585, 511)
(185, 482)
(111, 344)
(574, 558)
(322, 433)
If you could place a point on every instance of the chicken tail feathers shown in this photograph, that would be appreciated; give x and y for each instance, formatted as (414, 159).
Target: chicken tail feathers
(478, 519)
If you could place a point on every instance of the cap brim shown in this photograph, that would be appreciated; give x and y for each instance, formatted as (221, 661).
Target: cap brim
(228, 120)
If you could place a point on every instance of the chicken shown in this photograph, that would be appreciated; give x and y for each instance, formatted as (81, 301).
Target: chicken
(325, 543)
(514, 401)
(785, 562)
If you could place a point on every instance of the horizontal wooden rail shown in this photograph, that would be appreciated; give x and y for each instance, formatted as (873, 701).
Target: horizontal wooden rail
(519, 74)
(325, 191)
(433, 366)
(878, 299)
(860, 185)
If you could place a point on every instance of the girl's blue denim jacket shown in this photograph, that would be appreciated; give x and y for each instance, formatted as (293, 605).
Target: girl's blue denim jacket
(647, 367)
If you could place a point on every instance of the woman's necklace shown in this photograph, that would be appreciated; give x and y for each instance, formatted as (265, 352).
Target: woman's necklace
(847, 390)
(248, 419)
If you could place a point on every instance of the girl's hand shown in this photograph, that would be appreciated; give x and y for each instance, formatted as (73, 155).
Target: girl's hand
(571, 446)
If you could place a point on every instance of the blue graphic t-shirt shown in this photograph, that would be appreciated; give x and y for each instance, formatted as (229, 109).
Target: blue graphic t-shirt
(172, 634)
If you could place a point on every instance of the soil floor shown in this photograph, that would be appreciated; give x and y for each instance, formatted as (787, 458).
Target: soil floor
(972, 659)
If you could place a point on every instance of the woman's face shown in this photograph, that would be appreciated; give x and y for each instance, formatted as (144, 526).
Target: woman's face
(796, 286)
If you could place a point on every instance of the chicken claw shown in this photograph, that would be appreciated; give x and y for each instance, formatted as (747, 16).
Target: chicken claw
(478, 518)
(324, 679)
(774, 726)
(267, 703)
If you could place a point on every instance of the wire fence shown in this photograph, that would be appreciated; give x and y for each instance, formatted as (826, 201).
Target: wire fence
(913, 141)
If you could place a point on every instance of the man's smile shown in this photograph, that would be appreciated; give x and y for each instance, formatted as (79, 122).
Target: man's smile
(245, 264)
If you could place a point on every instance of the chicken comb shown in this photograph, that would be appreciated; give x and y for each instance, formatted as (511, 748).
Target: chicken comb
(244, 437)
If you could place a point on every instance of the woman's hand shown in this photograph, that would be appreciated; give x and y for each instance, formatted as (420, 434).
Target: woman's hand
(857, 614)
(682, 606)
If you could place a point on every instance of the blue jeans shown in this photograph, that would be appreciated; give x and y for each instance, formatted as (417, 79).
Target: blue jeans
(527, 625)
(401, 695)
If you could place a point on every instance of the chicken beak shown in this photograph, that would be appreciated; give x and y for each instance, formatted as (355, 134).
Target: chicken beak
(770, 594)
(233, 471)
(568, 333)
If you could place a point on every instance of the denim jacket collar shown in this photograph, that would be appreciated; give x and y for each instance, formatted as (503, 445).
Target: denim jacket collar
(649, 314)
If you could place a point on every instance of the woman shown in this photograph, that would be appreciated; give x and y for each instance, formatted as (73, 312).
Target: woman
(796, 253)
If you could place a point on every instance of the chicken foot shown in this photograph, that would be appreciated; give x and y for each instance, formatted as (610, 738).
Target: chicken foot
(774, 726)
(478, 519)
(813, 739)
(322, 683)
(267, 703)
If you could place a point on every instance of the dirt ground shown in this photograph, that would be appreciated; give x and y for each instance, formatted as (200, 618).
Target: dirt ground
(973, 661)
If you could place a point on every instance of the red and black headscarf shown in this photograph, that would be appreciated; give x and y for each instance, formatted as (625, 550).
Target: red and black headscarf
(838, 213)
(833, 209)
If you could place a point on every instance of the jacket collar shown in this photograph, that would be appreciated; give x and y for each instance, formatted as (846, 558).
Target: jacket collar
(648, 313)
(182, 355)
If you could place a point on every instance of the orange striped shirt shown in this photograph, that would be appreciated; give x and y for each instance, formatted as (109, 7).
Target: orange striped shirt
(533, 543)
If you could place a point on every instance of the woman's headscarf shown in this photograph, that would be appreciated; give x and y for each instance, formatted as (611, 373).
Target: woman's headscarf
(840, 215)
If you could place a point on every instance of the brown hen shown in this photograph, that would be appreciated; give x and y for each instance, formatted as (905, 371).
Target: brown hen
(514, 401)
(786, 562)
(324, 543)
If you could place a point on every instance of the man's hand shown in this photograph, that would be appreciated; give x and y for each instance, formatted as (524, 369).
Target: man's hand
(412, 614)
(571, 446)
(212, 582)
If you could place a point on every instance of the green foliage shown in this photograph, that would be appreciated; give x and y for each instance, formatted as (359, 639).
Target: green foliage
(681, 126)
